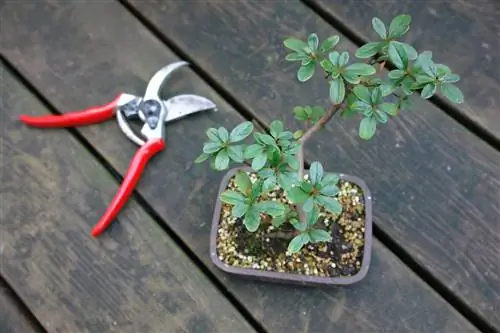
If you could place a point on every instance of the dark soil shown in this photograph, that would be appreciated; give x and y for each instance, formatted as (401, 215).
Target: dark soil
(266, 248)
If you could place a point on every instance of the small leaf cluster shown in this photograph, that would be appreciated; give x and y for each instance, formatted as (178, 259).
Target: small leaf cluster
(359, 87)
(273, 158)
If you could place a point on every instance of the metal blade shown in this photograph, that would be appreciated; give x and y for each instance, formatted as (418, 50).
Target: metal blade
(181, 106)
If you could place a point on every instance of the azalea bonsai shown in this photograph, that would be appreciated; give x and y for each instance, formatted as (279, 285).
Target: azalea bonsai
(314, 214)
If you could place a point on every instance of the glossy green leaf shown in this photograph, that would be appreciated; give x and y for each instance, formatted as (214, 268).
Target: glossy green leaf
(450, 78)
(201, 158)
(452, 92)
(389, 108)
(343, 59)
(307, 187)
(273, 208)
(259, 161)
(315, 172)
(253, 150)
(241, 131)
(363, 93)
(239, 209)
(269, 184)
(410, 51)
(361, 69)
(223, 134)
(295, 44)
(362, 107)
(334, 58)
(399, 26)
(297, 195)
(380, 117)
(379, 27)
(308, 204)
(329, 190)
(329, 43)
(306, 72)
(376, 95)
(428, 91)
(298, 134)
(232, 197)
(397, 55)
(313, 41)
(300, 113)
(296, 56)
(351, 77)
(235, 152)
(243, 182)
(213, 135)
(298, 242)
(251, 220)
(330, 179)
(319, 235)
(396, 74)
(276, 128)
(337, 90)
(367, 128)
(329, 203)
(368, 50)
(279, 220)
(211, 147)
(311, 217)
(222, 160)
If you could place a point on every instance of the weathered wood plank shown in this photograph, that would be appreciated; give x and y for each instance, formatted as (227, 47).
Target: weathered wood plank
(172, 184)
(53, 191)
(436, 186)
(12, 317)
(463, 34)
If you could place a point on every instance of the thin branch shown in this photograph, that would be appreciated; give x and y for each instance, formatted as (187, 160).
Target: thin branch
(316, 127)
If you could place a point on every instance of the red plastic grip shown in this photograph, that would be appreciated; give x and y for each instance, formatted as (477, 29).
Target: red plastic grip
(88, 116)
(141, 158)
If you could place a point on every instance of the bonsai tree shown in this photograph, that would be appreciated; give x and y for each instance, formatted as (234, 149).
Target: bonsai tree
(359, 86)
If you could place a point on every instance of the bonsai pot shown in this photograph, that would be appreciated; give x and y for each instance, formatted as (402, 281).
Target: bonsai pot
(344, 260)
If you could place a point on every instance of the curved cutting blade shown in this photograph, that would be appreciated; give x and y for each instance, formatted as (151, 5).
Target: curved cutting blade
(159, 78)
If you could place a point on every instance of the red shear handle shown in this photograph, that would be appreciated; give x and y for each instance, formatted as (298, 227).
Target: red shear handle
(89, 116)
(141, 158)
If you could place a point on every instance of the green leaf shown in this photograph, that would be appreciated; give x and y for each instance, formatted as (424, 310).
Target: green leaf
(273, 208)
(259, 161)
(398, 56)
(317, 112)
(239, 209)
(253, 151)
(298, 242)
(396, 74)
(368, 50)
(343, 59)
(380, 116)
(337, 90)
(379, 27)
(330, 179)
(265, 139)
(367, 128)
(298, 134)
(363, 93)
(211, 147)
(257, 189)
(269, 184)
(300, 113)
(306, 72)
(319, 235)
(329, 43)
(276, 128)
(252, 220)
(362, 107)
(222, 160)
(313, 42)
(201, 158)
(295, 44)
(243, 182)
(452, 92)
(316, 172)
(298, 225)
(399, 26)
(307, 187)
(292, 162)
(361, 69)
(329, 190)
(329, 203)
(213, 135)
(351, 77)
(428, 91)
(296, 56)
(308, 205)
(232, 197)
(410, 50)
(376, 95)
(279, 220)
(389, 108)
(241, 131)
(450, 78)
(297, 195)
(223, 134)
(334, 57)
(235, 152)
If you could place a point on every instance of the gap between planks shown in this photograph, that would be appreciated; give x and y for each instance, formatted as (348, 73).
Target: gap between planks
(445, 106)
(439, 287)
(140, 200)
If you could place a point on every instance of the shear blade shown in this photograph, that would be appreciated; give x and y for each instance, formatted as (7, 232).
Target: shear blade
(183, 105)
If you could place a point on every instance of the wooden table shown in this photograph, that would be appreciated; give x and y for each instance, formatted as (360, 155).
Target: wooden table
(434, 172)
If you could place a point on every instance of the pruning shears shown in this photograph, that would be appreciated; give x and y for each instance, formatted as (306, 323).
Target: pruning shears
(150, 109)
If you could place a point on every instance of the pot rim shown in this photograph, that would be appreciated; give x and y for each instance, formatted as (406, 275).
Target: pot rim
(291, 277)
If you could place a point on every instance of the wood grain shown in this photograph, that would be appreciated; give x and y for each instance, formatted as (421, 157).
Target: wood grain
(436, 186)
(463, 34)
(12, 318)
(72, 51)
(134, 280)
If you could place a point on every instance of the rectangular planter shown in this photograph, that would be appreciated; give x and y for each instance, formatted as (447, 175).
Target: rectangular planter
(286, 277)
